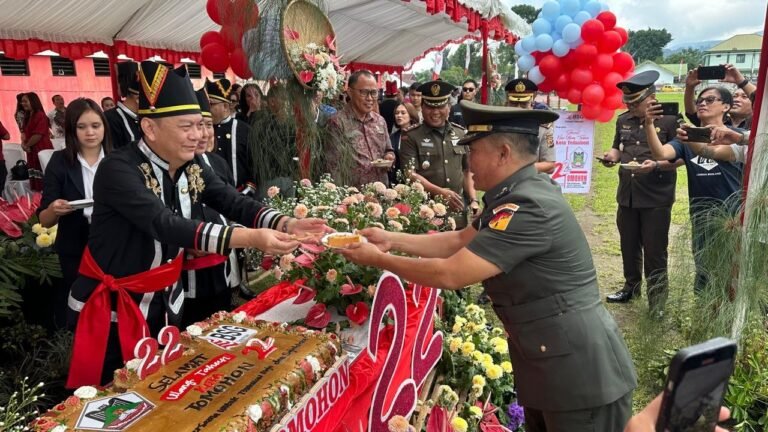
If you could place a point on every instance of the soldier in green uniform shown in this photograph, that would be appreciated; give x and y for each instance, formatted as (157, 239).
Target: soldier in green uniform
(645, 195)
(520, 94)
(431, 153)
(572, 368)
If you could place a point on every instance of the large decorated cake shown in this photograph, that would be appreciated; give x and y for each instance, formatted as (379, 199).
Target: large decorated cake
(228, 373)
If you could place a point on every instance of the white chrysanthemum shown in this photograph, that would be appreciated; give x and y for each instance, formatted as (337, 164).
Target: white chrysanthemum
(59, 428)
(194, 330)
(315, 363)
(390, 194)
(255, 413)
(239, 317)
(396, 226)
(440, 209)
(133, 364)
(86, 392)
(379, 187)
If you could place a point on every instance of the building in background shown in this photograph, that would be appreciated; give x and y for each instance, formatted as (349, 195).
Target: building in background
(742, 51)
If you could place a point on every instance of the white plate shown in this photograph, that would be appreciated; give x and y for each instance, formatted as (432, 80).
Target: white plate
(382, 163)
(81, 204)
(324, 240)
(631, 167)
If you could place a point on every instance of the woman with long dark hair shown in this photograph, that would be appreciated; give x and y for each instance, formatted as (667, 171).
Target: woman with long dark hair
(69, 177)
(35, 136)
(251, 98)
(406, 116)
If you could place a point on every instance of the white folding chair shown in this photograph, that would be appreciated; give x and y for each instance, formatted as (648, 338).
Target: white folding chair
(45, 156)
(58, 143)
(12, 154)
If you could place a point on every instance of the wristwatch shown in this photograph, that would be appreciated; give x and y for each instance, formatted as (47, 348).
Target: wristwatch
(743, 83)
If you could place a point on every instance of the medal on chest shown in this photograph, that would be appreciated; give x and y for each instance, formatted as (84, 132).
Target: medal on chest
(425, 165)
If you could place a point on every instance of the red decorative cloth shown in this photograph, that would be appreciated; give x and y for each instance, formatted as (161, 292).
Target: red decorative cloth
(92, 332)
(205, 261)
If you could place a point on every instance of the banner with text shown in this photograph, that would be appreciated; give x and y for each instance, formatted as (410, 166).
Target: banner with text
(574, 142)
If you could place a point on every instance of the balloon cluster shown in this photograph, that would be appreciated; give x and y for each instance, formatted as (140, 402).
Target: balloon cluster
(224, 48)
(573, 51)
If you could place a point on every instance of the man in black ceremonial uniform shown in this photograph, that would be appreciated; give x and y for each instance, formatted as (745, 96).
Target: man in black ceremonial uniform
(231, 133)
(123, 119)
(645, 195)
(142, 222)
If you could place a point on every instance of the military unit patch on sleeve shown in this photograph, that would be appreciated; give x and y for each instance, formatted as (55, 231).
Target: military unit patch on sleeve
(502, 215)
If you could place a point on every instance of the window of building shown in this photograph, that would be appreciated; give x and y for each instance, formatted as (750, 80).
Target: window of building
(101, 67)
(11, 67)
(62, 66)
(219, 75)
(741, 58)
(194, 70)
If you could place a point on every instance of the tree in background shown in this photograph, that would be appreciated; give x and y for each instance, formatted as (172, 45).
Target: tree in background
(647, 44)
(691, 56)
(526, 12)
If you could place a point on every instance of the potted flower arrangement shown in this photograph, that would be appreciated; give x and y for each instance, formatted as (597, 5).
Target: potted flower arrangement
(327, 277)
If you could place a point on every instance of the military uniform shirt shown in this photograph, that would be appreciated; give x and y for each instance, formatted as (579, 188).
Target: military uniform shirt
(435, 155)
(123, 125)
(636, 190)
(232, 145)
(546, 144)
(566, 350)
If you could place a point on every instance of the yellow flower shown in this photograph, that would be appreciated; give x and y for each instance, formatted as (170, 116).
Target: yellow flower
(53, 228)
(477, 391)
(467, 348)
(478, 380)
(477, 356)
(497, 331)
(43, 240)
(456, 328)
(476, 411)
(507, 366)
(472, 308)
(501, 347)
(37, 228)
(494, 372)
(487, 358)
(461, 319)
(455, 344)
(458, 424)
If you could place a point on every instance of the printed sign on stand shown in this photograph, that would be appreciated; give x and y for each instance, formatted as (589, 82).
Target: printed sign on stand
(574, 143)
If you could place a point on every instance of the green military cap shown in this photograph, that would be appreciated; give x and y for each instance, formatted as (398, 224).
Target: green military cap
(205, 104)
(435, 93)
(521, 90)
(483, 120)
(638, 86)
(219, 90)
(165, 92)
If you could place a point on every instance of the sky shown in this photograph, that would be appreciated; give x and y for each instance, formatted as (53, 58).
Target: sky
(688, 21)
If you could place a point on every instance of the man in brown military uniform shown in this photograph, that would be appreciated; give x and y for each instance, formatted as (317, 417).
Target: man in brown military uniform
(572, 368)
(520, 94)
(431, 153)
(645, 195)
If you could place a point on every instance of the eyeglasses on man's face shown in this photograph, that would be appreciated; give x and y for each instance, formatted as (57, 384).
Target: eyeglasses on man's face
(366, 93)
(709, 100)
(467, 89)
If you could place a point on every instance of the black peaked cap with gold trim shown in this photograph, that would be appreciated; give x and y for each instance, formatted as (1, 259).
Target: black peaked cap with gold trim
(639, 86)
(435, 93)
(219, 90)
(202, 100)
(521, 90)
(483, 120)
(165, 92)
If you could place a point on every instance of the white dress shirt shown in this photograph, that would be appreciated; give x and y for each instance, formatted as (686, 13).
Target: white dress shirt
(89, 172)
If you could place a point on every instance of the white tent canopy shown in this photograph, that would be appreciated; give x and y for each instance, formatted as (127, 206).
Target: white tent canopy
(388, 32)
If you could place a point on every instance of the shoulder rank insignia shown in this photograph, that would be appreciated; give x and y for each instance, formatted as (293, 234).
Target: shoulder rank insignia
(508, 207)
(411, 127)
(458, 126)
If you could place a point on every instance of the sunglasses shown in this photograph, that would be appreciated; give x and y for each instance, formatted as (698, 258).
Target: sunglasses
(467, 89)
(708, 100)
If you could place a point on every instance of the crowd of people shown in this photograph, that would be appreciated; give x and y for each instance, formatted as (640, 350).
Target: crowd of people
(170, 171)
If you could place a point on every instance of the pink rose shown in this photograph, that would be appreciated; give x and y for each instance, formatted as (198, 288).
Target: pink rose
(305, 183)
(436, 222)
(341, 209)
(318, 316)
(300, 211)
(392, 212)
(273, 191)
(374, 209)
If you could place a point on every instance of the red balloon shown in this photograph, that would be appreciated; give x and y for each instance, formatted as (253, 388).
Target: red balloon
(233, 37)
(214, 57)
(609, 42)
(570, 61)
(239, 62)
(623, 62)
(612, 101)
(607, 18)
(601, 66)
(592, 30)
(585, 54)
(623, 34)
(591, 112)
(550, 66)
(574, 95)
(211, 37)
(580, 78)
(562, 94)
(546, 86)
(563, 83)
(605, 116)
(214, 9)
(610, 81)
(593, 94)
(246, 15)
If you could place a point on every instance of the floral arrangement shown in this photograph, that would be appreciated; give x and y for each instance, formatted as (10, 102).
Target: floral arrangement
(327, 277)
(24, 249)
(316, 65)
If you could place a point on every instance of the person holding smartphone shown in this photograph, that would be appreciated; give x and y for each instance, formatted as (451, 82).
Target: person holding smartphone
(740, 114)
(710, 182)
(645, 194)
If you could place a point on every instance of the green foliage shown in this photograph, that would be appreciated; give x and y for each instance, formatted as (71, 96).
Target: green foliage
(526, 12)
(19, 409)
(691, 56)
(647, 44)
(747, 395)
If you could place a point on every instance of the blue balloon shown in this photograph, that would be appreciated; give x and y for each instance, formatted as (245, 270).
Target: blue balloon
(580, 17)
(544, 42)
(578, 42)
(593, 7)
(519, 48)
(561, 22)
(550, 10)
(584, 2)
(541, 26)
(529, 43)
(535, 75)
(556, 36)
(560, 48)
(569, 7)
(571, 32)
(604, 7)
(526, 62)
